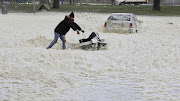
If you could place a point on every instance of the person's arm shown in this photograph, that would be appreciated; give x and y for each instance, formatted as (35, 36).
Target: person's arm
(76, 27)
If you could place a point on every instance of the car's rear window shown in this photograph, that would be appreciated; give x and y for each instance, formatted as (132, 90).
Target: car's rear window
(120, 17)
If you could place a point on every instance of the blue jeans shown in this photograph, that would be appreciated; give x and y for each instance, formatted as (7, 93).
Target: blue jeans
(62, 37)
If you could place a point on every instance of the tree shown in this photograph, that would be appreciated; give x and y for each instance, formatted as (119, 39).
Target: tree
(112, 2)
(156, 5)
(55, 3)
(44, 4)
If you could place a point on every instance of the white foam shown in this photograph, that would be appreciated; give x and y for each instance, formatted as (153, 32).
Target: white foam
(140, 66)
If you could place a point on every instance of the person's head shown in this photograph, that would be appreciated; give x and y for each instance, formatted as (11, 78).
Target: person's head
(72, 16)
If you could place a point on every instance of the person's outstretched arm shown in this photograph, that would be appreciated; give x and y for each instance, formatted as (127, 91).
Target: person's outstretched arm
(76, 27)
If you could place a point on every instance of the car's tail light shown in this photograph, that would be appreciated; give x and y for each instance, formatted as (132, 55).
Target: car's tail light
(131, 26)
(105, 24)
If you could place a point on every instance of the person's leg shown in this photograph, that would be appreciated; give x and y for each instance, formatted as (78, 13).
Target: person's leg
(62, 37)
(89, 38)
(84, 40)
(93, 34)
(56, 35)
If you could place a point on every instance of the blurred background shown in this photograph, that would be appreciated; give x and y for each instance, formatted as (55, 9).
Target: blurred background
(163, 2)
(98, 6)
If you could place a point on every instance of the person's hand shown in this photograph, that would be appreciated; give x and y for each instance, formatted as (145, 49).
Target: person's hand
(82, 31)
(78, 32)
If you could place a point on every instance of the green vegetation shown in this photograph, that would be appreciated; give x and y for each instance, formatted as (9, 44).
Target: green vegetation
(136, 9)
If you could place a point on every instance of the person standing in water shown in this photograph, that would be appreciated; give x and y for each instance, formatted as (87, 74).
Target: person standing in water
(62, 28)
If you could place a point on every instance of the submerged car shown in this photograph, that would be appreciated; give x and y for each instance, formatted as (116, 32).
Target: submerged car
(122, 22)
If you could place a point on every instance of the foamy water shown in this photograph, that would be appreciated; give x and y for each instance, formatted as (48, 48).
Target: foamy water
(144, 66)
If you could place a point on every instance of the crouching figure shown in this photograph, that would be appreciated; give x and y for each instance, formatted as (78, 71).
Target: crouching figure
(93, 42)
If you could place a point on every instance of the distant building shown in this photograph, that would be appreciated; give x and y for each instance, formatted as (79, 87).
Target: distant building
(170, 2)
(163, 2)
(96, 0)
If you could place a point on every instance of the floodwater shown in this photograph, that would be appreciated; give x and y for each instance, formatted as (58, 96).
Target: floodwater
(143, 66)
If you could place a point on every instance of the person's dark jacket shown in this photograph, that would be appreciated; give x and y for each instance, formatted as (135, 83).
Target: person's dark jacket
(64, 26)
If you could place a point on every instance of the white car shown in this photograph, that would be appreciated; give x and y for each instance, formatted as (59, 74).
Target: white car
(122, 22)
